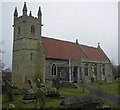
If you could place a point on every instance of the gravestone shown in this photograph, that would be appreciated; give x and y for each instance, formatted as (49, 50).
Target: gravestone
(92, 79)
(9, 91)
(53, 82)
(56, 83)
(118, 80)
(38, 83)
(30, 83)
(16, 91)
(109, 79)
(30, 95)
(52, 92)
(40, 99)
(67, 85)
(11, 107)
(85, 101)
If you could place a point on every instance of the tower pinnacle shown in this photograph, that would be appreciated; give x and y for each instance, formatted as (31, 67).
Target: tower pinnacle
(24, 9)
(15, 12)
(30, 13)
(39, 12)
(98, 45)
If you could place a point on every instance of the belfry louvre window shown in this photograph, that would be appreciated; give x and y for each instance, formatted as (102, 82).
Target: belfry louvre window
(31, 55)
(32, 29)
(53, 69)
(17, 67)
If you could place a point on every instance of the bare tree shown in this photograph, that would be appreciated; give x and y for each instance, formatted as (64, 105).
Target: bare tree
(116, 71)
(2, 65)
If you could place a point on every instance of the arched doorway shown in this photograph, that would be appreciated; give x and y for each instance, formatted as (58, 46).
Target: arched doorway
(75, 75)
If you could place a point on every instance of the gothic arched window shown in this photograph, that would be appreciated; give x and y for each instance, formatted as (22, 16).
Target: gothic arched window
(95, 69)
(86, 69)
(53, 69)
(103, 69)
(32, 29)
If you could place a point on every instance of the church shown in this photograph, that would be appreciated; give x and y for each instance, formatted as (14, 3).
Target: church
(36, 56)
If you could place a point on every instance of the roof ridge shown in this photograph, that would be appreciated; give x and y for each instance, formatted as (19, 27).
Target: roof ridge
(89, 46)
(59, 40)
(68, 42)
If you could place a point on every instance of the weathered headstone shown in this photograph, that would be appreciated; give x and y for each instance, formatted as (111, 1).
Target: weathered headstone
(40, 99)
(38, 83)
(9, 91)
(81, 102)
(92, 79)
(53, 82)
(52, 92)
(30, 83)
(56, 82)
(109, 79)
(30, 95)
(82, 85)
(67, 85)
(11, 107)
(27, 101)
(118, 80)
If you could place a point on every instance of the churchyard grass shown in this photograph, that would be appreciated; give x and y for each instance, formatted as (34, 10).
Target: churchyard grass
(50, 101)
(17, 102)
(107, 87)
(106, 102)
(65, 92)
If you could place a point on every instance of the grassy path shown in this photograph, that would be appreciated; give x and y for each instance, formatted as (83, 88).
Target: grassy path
(112, 88)
(107, 96)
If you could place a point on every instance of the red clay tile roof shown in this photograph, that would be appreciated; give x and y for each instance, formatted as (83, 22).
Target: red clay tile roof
(94, 53)
(59, 49)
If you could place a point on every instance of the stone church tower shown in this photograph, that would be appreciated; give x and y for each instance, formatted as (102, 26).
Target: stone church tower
(28, 55)
(47, 58)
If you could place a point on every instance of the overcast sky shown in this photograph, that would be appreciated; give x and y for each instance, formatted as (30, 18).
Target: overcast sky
(89, 22)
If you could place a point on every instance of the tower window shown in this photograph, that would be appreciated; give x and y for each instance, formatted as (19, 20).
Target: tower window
(17, 67)
(32, 29)
(31, 55)
(19, 30)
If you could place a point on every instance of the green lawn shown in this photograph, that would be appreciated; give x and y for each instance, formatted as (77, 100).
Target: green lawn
(106, 102)
(17, 102)
(50, 102)
(110, 88)
(66, 92)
